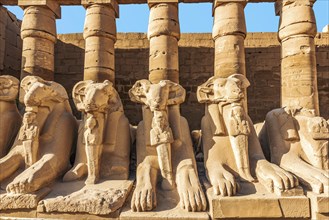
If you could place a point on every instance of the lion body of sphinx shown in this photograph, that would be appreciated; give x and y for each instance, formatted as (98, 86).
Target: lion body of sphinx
(297, 140)
(100, 102)
(56, 131)
(10, 116)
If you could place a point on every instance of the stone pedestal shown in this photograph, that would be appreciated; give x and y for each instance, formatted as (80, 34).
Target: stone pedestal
(19, 205)
(319, 205)
(297, 30)
(163, 33)
(254, 201)
(100, 36)
(39, 36)
(72, 199)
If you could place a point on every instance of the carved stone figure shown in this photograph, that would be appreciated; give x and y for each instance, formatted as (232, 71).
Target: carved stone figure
(10, 117)
(231, 147)
(298, 142)
(103, 146)
(29, 135)
(164, 144)
(44, 142)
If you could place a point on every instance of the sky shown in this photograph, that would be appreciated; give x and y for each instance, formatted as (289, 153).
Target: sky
(194, 18)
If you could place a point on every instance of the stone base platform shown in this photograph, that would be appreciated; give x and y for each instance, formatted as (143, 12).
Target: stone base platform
(20, 205)
(167, 208)
(319, 205)
(73, 200)
(254, 201)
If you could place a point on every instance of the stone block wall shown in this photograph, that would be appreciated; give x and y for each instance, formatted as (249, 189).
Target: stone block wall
(10, 43)
(196, 61)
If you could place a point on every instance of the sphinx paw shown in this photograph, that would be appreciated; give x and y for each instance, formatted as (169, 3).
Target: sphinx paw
(144, 198)
(275, 178)
(190, 192)
(223, 182)
(77, 172)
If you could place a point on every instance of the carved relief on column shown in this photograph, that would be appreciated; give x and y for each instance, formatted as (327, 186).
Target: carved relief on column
(39, 36)
(100, 36)
(163, 33)
(297, 30)
(229, 32)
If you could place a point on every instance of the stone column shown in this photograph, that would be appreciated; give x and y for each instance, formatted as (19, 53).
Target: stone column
(297, 30)
(229, 32)
(163, 33)
(100, 36)
(39, 36)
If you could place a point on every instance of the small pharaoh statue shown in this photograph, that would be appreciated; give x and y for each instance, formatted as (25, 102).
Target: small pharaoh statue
(161, 137)
(29, 135)
(93, 141)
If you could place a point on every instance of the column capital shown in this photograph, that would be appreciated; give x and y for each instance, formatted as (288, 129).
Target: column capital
(51, 4)
(113, 3)
(279, 4)
(151, 3)
(217, 3)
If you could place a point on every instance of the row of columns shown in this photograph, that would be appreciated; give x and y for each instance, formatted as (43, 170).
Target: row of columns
(297, 30)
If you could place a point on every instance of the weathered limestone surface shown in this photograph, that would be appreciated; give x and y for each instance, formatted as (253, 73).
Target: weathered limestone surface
(39, 37)
(10, 43)
(297, 30)
(103, 146)
(253, 201)
(163, 33)
(294, 137)
(164, 145)
(10, 117)
(103, 198)
(229, 32)
(196, 62)
(12, 201)
(41, 150)
(167, 208)
(100, 36)
(319, 205)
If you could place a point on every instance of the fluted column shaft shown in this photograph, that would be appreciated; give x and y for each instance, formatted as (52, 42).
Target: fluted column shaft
(229, 32)
(297, 30)
(39, 36)
(163, 33)
(100, 36)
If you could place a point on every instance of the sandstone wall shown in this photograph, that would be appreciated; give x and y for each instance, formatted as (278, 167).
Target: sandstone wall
(10, 43)
(196, 60)
(196, 56)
